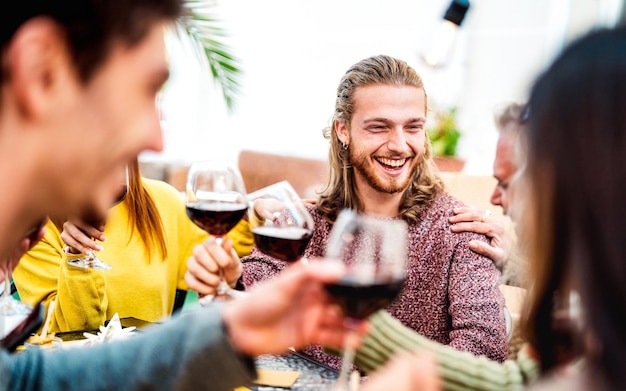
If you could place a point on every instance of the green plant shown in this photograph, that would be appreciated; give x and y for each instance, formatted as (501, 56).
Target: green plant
(203, 28)
(444, 134)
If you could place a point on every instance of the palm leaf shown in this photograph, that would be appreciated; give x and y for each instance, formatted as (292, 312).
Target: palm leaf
(206, 34)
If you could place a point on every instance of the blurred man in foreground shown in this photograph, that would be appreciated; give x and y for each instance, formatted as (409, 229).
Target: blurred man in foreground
(79, 80)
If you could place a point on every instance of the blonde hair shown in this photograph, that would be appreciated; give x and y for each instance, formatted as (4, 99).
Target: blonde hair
(144, 214)
(340, 192)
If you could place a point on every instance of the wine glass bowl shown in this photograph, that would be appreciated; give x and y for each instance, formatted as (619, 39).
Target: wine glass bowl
(373, 252)
(12, 311)
(281, 224)
(216, 201)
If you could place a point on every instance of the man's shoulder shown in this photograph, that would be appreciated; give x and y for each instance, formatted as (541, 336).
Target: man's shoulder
(442, 204)
(447, 199)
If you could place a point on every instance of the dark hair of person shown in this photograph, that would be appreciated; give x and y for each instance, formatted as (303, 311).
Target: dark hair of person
(91, 26)
(576, 166)
(340, 191)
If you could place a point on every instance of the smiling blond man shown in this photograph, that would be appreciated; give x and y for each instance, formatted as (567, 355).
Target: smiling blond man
(381, 165)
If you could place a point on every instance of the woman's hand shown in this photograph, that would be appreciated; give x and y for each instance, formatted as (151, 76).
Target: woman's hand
(81, 237)
(291, 310)
(208, 261)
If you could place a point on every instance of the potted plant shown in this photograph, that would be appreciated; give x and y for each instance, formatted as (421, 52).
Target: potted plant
(444, 136)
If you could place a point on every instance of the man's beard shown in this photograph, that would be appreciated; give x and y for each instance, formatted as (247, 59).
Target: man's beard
(390, 185)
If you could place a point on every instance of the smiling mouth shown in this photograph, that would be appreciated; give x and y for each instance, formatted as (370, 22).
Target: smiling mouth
(391, 163)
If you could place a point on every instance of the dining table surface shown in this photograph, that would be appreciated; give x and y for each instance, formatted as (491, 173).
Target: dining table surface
(311, 375)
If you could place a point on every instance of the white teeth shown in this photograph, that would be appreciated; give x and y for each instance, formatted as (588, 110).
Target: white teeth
(391, 162)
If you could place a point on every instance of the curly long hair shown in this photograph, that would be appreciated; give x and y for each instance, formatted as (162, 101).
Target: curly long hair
(340, 191)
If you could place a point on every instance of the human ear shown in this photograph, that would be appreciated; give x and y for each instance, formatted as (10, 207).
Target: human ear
(342, 132)
(37, 59)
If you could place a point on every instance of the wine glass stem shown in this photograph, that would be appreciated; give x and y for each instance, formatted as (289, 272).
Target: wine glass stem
(7, 286)
(222, 287)
(343, 381)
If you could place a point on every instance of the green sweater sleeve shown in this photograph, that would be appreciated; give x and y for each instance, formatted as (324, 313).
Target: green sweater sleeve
(459, 370)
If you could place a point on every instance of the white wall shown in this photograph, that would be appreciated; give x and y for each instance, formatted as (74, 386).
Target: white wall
(294, 53)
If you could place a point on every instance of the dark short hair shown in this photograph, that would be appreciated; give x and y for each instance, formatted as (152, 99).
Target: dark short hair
(91, 26)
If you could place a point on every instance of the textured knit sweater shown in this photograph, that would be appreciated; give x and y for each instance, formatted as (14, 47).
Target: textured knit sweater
(450, 295)
(135, 287)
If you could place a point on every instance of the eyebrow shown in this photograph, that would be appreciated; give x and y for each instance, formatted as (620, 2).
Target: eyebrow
(383, 119)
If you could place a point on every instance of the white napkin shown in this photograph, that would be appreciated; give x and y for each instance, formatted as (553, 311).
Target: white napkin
(112, 331)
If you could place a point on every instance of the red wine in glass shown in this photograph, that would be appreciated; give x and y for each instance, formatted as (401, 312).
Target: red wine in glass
(287, 244)
(373, 253)
(281, 224)
(360, 299)
(217, 218)
(216, 201)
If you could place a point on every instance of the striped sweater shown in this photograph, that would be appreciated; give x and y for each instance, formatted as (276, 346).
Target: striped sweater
(458, 370)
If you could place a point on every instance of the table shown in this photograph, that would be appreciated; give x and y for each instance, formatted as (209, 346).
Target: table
(313, 375)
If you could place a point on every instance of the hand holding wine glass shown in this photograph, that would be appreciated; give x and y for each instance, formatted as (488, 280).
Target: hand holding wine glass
(280, 222)
(373, 251)
(95, 225)
(216, 201)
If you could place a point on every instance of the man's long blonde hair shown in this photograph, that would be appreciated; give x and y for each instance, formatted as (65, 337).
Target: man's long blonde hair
(340, 192)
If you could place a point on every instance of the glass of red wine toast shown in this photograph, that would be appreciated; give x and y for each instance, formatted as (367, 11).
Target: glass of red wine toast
(373, 251)
(280, 222)
(216, 201)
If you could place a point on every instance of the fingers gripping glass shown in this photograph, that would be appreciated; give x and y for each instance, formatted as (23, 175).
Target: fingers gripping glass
(90, 260)
(280, 222)
(216, 201)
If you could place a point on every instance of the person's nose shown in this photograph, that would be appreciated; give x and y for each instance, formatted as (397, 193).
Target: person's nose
(154, 136)
(397, 140)
(496, 197)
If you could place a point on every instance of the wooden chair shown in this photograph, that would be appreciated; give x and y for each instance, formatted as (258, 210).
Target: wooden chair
(260, 169)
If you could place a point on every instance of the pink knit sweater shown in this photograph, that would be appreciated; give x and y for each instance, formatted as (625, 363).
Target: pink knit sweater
(451, 294)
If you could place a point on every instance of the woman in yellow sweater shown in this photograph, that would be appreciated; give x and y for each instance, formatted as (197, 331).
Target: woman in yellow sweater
(148, 241)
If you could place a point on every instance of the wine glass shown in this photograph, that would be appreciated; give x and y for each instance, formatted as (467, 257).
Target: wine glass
(373, 251)
(90, 260)
(12, 311)
(281, 225)
(216, 201)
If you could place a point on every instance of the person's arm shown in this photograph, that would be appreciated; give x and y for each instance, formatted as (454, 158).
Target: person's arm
(200, 350)
(476, 304)
(193, 353)
(43, 274)
(459, 370)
